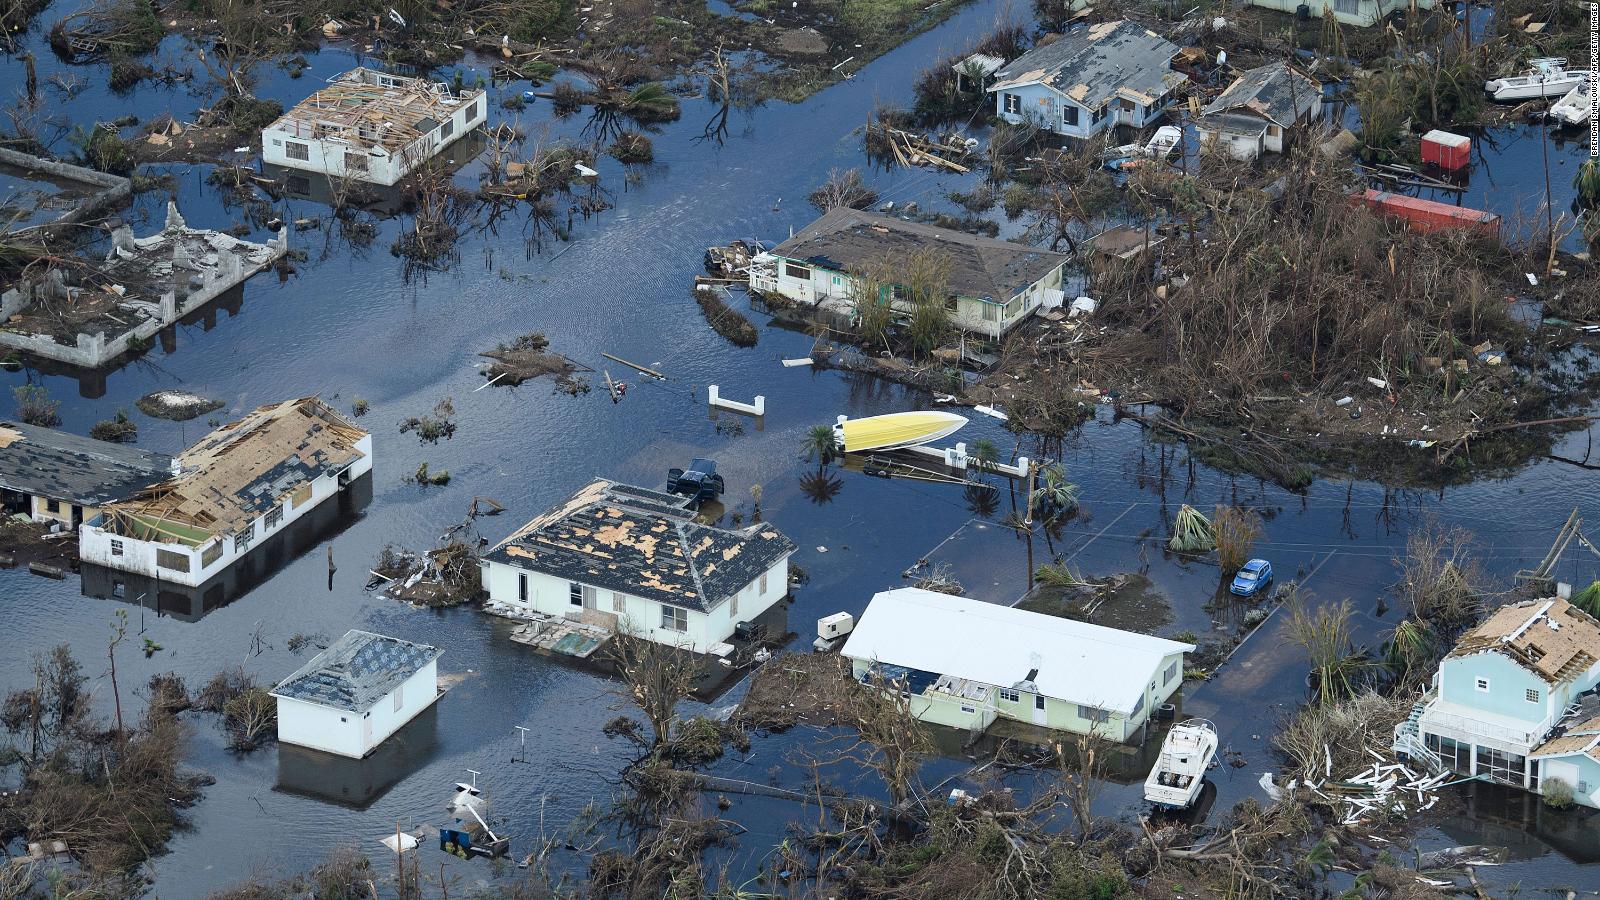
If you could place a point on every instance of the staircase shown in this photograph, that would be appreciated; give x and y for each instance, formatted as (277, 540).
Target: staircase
(1408, 740)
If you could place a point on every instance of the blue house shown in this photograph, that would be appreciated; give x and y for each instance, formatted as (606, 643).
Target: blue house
(1515, 694)
(1083, 82)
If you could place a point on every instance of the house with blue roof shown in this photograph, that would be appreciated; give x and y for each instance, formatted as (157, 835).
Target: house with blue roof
(355, 694)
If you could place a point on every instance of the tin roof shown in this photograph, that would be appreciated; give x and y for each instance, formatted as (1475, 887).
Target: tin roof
(1002, 646)
(642, 543)
(355, 673)
(846, 240)
(1551, 638)
(1092, 65)
(1277, 92)
(79, 470)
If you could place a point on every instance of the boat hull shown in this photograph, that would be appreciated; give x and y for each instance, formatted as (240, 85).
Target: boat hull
(1574, 108)
(1507, 90)
(897, 430)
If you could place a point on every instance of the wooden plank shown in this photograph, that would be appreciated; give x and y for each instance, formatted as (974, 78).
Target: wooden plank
(645, 369)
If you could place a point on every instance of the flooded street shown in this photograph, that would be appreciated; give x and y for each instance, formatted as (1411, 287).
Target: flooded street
(349, 325)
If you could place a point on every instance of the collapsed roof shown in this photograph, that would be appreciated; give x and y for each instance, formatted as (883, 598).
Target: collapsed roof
(642, 543)
(1277, 92)
(357, 671)
(1551, 638)
(240, 471)
(373, 110)
(1094, 64)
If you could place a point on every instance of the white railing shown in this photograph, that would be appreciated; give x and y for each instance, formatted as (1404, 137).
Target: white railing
(1468, 725)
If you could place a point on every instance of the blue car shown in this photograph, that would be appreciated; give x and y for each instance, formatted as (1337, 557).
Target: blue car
(1256, 574)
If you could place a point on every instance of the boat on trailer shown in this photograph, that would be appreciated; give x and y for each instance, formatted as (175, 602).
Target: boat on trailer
(1573, 109)
(1546, 77)
(1180, 771)
(896, 430)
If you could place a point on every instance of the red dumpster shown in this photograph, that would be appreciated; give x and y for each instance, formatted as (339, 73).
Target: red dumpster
(1427, 215)
(1451, 152)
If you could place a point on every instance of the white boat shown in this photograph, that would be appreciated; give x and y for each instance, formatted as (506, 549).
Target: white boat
(1546, 77)
(896, 430)
(1574, 108)
(1163, 142)
(1180, 772)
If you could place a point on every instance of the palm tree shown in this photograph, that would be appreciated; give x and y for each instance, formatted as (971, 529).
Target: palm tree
(820, 444)
(820, 487)
(985, 453)
(1055, 496)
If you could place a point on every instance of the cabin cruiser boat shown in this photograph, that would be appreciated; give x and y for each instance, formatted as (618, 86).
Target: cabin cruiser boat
(1574, 108)
(1180, 771)
(1546, 77)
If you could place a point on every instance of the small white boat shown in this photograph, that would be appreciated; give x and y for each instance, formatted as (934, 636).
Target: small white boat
(896, 430)
(1574, 108)
(1163, 142)
(1546, 77)
(1180, 772)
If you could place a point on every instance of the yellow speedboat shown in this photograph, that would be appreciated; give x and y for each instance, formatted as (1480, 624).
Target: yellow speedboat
(896, 430)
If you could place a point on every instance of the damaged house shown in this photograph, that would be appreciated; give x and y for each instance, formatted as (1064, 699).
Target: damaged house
(88, 315)
(623, 557)
(371, 126)
(1501, 704)
(965, 663)
(241, 484)
(54, 476)
(993, 285)
(352, 696)
(1259, 109)
(1089, 80)
(1347, 12)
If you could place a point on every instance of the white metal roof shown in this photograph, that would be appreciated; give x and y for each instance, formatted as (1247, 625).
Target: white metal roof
(965, 638)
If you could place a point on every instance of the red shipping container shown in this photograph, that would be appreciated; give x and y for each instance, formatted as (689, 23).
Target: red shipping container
(1451, 152)
(1428, 216)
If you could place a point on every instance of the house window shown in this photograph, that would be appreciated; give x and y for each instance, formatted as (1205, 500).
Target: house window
(1138, 705)
(794, 271)
(575, 593)
(733, 605)
(241, 541)
(1098, 114)
(1069, 115)
(275, 516)
(355, 162)
(618, 602)
(52, 506)
(399, 697)
(447, 128)
(969, 710)
(674, 619)
(1457, 756)
(522, 586)
(302, 495)
(1480, 684)
(476, 109)
(991, 312)
(116, 547)
(1092, 713)
(1501, 766)
(1009, 695)
(297, 150)
(1532, 694)
(1272, 131)
(173, 560)
(299, 184)
(762, 586)
(1038, 701)
(1013, 104)
(1170, 673)
(211, 553)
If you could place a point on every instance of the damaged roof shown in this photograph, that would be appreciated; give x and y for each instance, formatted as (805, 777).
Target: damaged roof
(239, 471)
(355, 673)
(1276, 91)
(643, 543)
(1092, 65)
(847, 240)
(1003, 646)
(1550, 638)
(79, 470)
(373, 110)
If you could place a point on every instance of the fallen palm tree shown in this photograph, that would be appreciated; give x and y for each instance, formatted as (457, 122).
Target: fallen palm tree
(1191, 531)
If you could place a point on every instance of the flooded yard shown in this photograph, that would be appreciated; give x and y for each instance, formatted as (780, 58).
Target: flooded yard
(354, 326)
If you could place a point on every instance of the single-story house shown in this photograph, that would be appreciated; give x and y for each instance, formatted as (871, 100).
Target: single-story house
(965, 663)
(1257, 110)
(1090, 79)
(239, 485)
(974, 72)
(350, 697)
(633, 559)
(54, 476)
(1495, 706)
(993, 285)
(1348, 12)
(1574, 760)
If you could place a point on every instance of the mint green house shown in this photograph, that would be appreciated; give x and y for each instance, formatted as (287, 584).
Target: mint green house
(1510, 698)
(965, 663)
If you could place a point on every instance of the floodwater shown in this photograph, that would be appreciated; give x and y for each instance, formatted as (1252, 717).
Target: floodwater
(349, 324)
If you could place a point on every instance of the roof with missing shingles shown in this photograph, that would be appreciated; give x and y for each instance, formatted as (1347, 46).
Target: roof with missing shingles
(643, 543)
(358, 671)
(57, 465)
(1551, 638)
(1277, 92)
(1092, 65)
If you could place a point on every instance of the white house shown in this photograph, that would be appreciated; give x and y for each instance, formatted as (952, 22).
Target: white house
(353, 695)
(625, 557)
(1256, 112)
(1506, 692)
(238, 485)
(994, 285)
(966, 662)
(1088, 80)
(372, 126)
(54, 476)
(1348, 12)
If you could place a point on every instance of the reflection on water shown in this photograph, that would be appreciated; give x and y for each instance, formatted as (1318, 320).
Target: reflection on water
(358, 783)
(1498, 816)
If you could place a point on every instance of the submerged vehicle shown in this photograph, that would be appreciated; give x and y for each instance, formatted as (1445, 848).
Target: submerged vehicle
(1251, 578)
(1546, 77)
(1180, 771)
(700, 481)
(896, 430)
